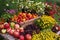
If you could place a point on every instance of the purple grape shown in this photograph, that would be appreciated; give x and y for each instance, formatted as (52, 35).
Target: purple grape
(31, 28)
(22, 33)
(28, 32)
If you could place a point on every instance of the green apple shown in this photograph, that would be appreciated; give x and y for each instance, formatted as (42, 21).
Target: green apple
(12, 24)
(3, 31)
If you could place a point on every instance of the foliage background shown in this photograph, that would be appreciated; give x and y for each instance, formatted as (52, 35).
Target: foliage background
(16, 3)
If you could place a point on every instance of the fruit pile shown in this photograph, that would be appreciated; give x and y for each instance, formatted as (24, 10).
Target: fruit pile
(45, 35)
(17, 31)
(13, 29)
(10, 21)
(45, 21)
(22, 17)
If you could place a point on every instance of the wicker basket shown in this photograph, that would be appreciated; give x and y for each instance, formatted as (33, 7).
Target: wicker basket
(28, 22)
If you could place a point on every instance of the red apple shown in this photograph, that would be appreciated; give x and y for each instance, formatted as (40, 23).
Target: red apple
(19, 17)
(28, 36)
(18, 20)
(17, 26)
(1, 26)
(6, 25)
(11, 32)
(21, 29)
(16, 34)
(29, 15)
(17, 30)
(9, 29)
(23, 19)
(24, 14)
(21, 37)
(34, 16)
(27, 18)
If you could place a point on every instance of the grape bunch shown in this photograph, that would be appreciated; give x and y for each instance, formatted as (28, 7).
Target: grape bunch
(45, 35)
(31, 28)
(45, 21)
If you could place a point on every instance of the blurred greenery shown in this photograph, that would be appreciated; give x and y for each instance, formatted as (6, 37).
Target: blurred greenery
(54, 1)
(13, 4)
